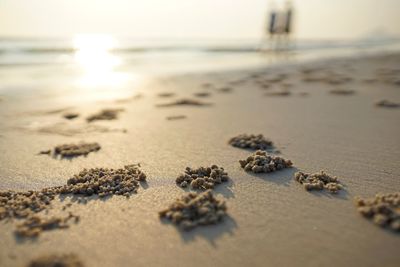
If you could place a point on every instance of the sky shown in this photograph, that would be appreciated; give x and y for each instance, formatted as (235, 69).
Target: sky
(195, 19)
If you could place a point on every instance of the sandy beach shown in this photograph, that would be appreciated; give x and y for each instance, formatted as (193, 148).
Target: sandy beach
(321, 115)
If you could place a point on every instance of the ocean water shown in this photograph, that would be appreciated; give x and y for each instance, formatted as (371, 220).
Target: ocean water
(151, 56)
(101, 63)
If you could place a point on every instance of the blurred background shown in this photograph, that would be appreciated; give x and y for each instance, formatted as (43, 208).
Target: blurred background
(112, 44)
(184, 19)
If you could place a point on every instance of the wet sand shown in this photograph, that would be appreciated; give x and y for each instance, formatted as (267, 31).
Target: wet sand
(272, 220)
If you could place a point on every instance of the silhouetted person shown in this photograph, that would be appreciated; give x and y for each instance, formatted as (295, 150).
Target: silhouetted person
(272, 23)
(288, 20)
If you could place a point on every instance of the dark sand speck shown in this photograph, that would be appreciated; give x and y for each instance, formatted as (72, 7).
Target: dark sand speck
(184, 102)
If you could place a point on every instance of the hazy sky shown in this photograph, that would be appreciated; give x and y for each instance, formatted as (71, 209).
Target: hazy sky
(194, 18)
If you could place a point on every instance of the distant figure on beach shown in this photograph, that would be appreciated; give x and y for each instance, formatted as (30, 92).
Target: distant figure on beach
(288, 21)
(272, 22)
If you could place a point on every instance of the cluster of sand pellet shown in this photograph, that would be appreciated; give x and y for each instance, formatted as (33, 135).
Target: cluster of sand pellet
(71, 115)
(202, 178)
(184, 102)
(279, 93)
(34, 225)
(23, 204)
(251, 141)
(56, 260)
(339, 91)
(98, 181)
(318, 181)
(313, 78)
(176, 117)
(383, 209)
(387, 104)
(202, 94)
(194, 209)
(74, 150)
(104, 181)
(225, 89)
(105, 114)
(261, 162)
(165, 94)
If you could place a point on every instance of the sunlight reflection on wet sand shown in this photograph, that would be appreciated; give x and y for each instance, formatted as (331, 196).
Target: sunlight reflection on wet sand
(99, 66)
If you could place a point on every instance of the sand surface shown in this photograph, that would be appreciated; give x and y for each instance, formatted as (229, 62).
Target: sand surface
(273, 220)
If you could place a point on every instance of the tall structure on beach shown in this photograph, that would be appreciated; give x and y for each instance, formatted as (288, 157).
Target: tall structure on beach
(279, 27)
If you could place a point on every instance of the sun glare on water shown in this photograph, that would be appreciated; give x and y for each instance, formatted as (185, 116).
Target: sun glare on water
(93, 54)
